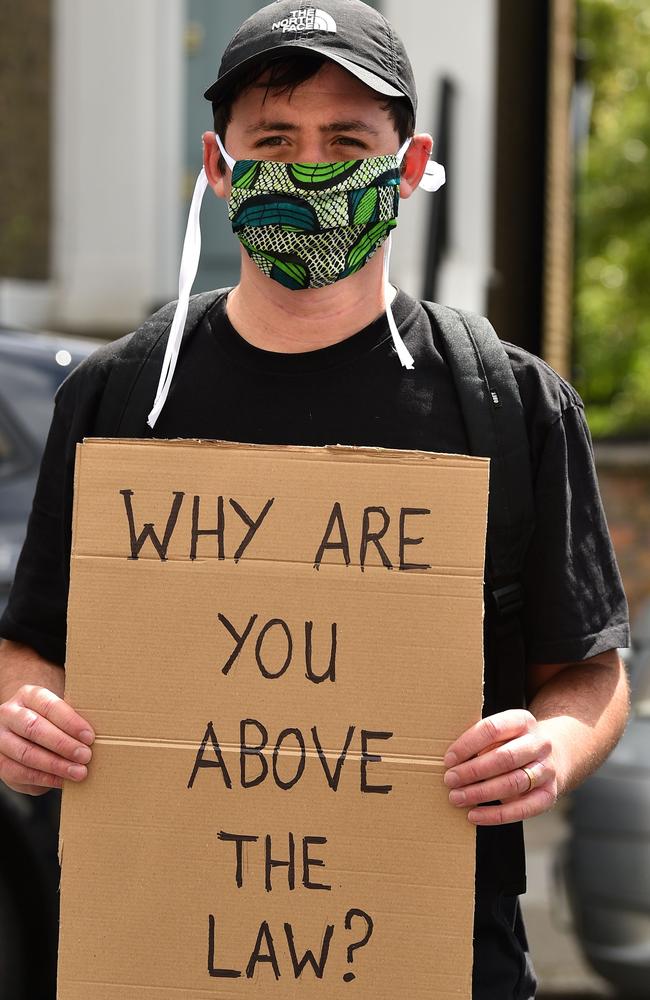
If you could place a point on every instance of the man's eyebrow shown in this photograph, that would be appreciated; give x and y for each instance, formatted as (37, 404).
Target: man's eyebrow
(351, 125)
(270, 126)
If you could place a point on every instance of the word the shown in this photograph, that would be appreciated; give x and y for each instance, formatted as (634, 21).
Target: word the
(270, 862)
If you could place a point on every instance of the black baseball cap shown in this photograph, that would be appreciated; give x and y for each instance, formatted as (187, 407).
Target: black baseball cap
(349, 32)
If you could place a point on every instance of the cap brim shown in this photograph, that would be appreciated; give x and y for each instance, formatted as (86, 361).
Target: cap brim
(365, 76)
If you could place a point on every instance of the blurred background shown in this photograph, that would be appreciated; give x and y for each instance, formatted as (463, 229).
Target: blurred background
(539, 110)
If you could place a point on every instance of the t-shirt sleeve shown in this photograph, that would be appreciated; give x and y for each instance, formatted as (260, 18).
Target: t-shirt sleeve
(37, 606)
(575, 603)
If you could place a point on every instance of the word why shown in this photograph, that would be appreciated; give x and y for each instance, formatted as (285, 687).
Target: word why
(161, 545)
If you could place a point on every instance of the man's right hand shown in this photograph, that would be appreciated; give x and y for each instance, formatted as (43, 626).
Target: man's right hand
(42, 739)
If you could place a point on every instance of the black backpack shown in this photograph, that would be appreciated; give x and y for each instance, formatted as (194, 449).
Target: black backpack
(494, 420)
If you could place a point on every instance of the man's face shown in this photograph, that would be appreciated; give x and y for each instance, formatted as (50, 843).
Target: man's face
(330, 117)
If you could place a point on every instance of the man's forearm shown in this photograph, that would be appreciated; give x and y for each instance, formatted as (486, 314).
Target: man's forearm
(582, 710)
(20, 664)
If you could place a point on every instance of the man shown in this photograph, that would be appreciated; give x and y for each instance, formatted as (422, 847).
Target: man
(312, 347)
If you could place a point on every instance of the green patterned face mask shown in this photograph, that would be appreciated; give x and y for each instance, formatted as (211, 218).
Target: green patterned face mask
(307, 225)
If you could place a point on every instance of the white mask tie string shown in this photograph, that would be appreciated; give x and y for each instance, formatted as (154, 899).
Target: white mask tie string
(403, 352)
(188, 269)
(432, 179)
(230, 160)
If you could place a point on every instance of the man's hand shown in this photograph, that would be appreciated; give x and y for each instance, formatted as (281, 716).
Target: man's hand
(42, 739)
(523, 760)
(487, 764)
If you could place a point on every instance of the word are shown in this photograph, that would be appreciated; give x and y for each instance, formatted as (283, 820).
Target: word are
(375, 524)
(289, 757)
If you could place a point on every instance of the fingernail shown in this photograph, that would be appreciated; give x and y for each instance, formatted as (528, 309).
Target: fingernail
(457, 798)
(450, 759)
(87, 737)
(82, 755)
(451, 779)
(77, 772)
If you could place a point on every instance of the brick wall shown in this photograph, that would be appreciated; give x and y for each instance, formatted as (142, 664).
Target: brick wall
(624, 474)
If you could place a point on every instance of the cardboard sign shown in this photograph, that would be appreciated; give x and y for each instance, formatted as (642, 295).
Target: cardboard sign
(275, 647)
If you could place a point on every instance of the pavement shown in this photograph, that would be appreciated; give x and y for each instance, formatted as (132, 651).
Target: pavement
(562, 972)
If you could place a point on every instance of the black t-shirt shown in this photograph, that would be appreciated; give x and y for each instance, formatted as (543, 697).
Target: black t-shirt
(355, 393)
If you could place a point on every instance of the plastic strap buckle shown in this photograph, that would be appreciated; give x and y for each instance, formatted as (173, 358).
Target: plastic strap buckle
(508, 600)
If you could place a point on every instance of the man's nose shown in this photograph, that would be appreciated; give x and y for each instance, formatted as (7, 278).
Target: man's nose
(315, 149)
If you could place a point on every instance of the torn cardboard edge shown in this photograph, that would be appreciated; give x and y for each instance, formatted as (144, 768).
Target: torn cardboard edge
(310, 453)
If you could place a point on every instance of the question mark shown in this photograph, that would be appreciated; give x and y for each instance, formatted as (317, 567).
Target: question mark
(349, 976)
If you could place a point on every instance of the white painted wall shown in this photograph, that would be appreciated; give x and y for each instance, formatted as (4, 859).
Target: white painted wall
(118, 151)
(455, 38)
(117, 159)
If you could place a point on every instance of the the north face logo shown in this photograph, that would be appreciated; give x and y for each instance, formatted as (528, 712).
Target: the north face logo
(306, 19)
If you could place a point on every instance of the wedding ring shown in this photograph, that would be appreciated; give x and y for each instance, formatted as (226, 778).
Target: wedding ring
(532, 780)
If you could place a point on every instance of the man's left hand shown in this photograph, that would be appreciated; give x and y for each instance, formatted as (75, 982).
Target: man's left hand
(506, 757)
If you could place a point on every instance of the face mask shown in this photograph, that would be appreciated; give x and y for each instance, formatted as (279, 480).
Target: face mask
(307, 225)
(354, 204)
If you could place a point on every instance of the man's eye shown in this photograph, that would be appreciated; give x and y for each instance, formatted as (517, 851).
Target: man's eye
(271, 140)
(347, 140)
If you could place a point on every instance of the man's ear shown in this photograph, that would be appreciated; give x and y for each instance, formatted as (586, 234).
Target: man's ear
(414, 163)
(213, 166)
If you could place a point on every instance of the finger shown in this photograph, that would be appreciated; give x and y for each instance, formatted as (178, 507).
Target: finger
(57, 711)
(35, 758)
(505, 787)
(34, 728)
(502, 760)
(493, 730)
(17, 776)
(534, 803)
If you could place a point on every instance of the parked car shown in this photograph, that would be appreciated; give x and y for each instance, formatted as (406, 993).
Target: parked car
(606, 862)
(31, 368)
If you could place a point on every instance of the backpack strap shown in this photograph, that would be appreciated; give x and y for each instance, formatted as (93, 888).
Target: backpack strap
(135, 371)
(494, 418)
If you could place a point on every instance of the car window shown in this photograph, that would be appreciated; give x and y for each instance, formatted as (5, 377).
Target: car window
(27, 388)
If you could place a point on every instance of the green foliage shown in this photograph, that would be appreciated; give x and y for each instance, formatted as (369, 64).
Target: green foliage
(612, 345)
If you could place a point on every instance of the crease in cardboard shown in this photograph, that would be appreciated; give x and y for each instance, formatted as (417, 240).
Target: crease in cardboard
(235, 748)
(450, 572)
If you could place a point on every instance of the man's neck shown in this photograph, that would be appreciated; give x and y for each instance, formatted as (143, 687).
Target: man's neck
(277, 319)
